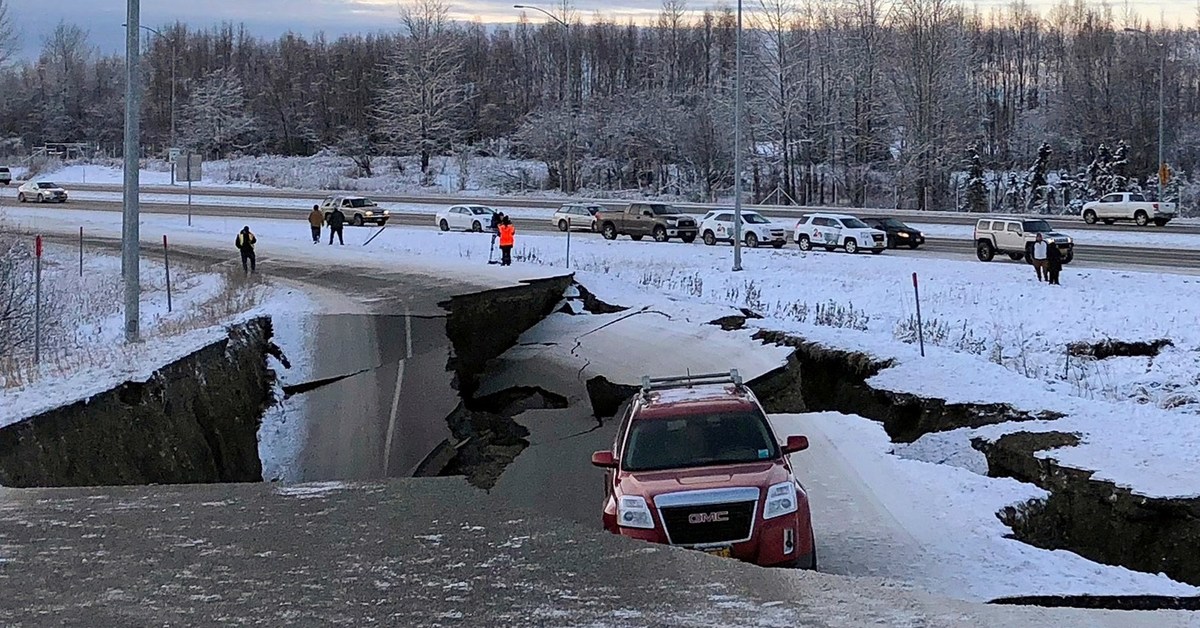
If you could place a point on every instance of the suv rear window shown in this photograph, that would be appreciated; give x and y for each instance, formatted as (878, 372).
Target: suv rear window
(698, 440)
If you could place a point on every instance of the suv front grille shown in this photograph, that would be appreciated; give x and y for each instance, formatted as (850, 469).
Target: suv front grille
(713, 523)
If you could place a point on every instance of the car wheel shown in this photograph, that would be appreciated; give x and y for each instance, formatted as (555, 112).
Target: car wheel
(477, 227)
(709, 238)
(751, 240)
(636, 238)
(688, 239)
(804, 243)
(913, 245)
(443, 225)
(1016, 257)
(777, 244)
(1089, 217)
(985, 251)
(21, 197)
(1161, 222)
(609, 231)
(660, 234)
(1141, 218)
(562, 225)
(1069, 256)
(41, 198)
(1109, 221)
(357, 221)
(851, 246)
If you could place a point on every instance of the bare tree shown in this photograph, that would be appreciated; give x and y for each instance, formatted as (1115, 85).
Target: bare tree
(215, 119)
(419, 108)
(16, 295)
(8, 35)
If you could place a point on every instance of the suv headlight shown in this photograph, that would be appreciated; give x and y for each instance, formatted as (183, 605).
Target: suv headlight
(369, 214)
(781, 500)
(901, 234)
(632, 512)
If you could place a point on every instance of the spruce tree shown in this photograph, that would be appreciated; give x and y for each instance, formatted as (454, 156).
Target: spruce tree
(976, 197)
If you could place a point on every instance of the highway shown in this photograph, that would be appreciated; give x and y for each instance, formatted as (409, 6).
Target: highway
(1094, 255)
(308, 196)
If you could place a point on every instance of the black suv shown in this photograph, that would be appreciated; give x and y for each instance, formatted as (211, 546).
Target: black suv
(898, 233)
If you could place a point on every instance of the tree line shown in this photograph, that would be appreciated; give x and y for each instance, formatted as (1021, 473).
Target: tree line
(859, 102)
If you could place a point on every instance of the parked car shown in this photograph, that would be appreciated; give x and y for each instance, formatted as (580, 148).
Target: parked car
(1015, 237)
(359, 210)
(834, 231)
(578, 216)
(898, 233)
(5, 175)
(1128, 206)
(717, 226)
(695, 463)
(42, 192)
(465, 218)
(658, 220)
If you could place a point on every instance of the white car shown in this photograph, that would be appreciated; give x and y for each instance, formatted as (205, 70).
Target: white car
(42, 192)
(577, 216)
(465, 218)
(717, 226)
(834, 231)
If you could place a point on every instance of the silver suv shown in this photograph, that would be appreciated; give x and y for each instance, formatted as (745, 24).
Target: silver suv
(359, 210)
(1014, 237)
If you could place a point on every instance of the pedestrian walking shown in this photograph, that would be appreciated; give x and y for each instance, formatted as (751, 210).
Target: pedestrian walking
(245, 243)
(1054, 264)
(1039, 257)
(507, 238)
(336, 221)
(315, 220)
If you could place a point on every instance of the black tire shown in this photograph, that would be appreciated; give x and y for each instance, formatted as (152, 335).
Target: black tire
(804, 243)
(1089, 217)
(609, 231)
(660, 234)
(777, 244)
(562, 225)
(851, 246)
(41, 198)
(913, 245)
(443, 225)
(357, 221)
(20, 197)
(477, 227)
(876, 251)
(1161, 222)
(1016, 257)
(1069, 256)
(1141, 218)
(1109, 221)
(752, 240)
(709, 238)
(985, 251)
(636, 238)
(688, 239)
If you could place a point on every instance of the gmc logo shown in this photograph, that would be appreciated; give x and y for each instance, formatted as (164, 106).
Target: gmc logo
(709, 517)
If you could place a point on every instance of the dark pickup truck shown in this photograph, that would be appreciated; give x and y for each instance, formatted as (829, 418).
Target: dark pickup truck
(658, 220)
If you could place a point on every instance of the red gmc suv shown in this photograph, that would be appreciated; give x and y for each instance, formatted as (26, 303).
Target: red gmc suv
(695, 464)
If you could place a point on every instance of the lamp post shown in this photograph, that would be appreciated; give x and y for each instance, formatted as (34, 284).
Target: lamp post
(737, 146)
(1162, 91)
(570, 91)
(174, 59)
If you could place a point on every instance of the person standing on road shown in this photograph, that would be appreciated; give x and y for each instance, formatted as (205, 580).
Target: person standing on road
(1054, 264)
(336, 221)
(1039, 256)
(245, 243)
(507, 238)
(315, 220)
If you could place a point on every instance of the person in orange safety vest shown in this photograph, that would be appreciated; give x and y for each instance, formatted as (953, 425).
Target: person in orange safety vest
(507, 237)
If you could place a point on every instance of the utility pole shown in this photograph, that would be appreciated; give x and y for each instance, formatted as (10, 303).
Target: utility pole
(737, 147)
(129, 229)
(570, 173)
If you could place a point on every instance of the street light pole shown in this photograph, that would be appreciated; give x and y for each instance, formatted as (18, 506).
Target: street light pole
(570, 187)
(737, 147)
(129, 229)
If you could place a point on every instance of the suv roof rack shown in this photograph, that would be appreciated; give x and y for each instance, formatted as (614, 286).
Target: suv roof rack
(689, 380)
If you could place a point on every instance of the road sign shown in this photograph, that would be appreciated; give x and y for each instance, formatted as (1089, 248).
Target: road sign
(173, 154)
(189, 168)
(1164, 174)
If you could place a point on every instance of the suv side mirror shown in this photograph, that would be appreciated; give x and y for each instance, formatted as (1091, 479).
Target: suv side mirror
(794, 444)
(604, 459)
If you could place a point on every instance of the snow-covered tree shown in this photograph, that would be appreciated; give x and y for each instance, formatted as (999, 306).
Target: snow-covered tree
(976, 197)
(423, 95)
(215, 119)
(8, 36)
(1039, 191)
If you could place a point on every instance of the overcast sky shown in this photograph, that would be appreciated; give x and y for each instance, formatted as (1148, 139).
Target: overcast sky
(103, 18)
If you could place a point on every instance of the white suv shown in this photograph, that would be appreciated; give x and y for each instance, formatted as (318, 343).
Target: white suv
(1014, 237)
(717, 226)
(834, 231)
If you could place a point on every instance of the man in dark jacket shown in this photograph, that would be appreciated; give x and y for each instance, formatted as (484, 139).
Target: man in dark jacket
(245, 243)
(336, 221)
(1054, 264)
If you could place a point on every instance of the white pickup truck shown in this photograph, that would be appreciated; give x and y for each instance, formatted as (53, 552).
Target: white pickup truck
(1128, 206)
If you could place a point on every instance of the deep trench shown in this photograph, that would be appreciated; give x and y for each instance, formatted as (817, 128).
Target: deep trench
(1092, 518)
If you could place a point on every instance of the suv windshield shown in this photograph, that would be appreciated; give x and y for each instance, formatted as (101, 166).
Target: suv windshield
(361, 202)
(854, 223)
(46, 185)
(1036, 226)
(698, 441)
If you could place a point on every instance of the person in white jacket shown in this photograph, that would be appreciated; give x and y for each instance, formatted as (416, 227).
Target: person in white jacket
(1039, 258)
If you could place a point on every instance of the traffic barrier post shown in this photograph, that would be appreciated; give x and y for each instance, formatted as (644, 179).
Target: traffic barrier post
(920, 327)
(37, 301)
(167, 265)
(81, 251)
(568, 242)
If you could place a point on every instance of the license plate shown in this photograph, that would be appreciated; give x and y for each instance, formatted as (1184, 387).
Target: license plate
(723, 552)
